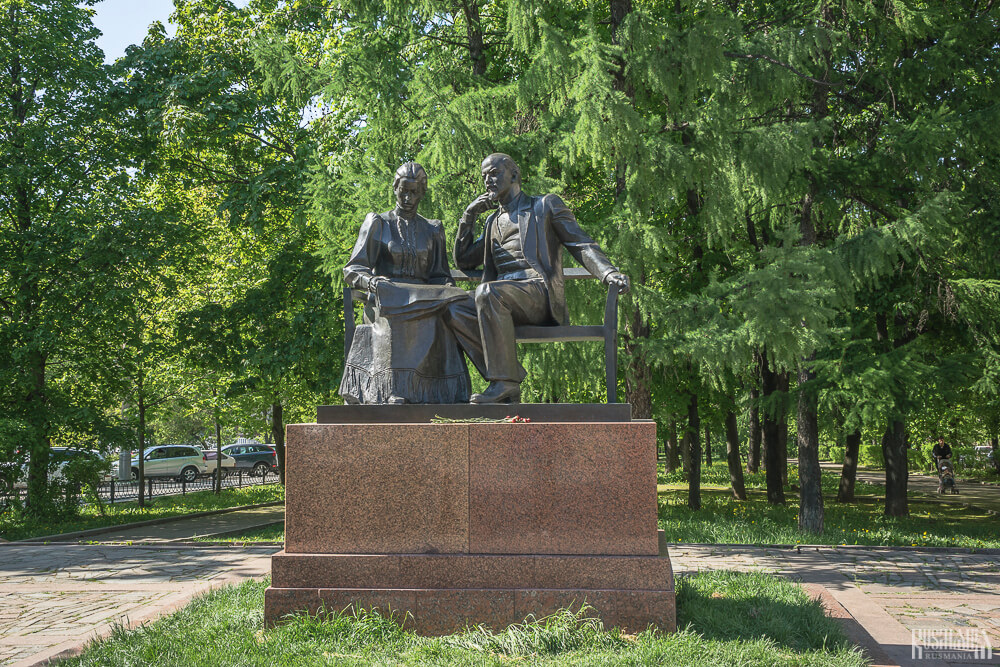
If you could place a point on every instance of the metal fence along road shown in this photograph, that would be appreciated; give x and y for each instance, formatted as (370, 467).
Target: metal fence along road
(117, 491)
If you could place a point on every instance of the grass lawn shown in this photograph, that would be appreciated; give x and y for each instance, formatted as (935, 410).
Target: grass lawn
(723, 520)
(978, 475)
(16, 526)
(275, 533)
(727, 619)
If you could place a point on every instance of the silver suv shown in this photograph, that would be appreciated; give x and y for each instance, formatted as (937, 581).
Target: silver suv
(184, 462)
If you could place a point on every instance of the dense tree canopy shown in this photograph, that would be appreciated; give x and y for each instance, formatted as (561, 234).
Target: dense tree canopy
(804, 195)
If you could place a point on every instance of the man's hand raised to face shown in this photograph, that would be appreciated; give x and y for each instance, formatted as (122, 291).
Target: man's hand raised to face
(479, 205)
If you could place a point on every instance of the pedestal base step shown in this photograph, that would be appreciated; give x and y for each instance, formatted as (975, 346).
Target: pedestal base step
(444, 611)
(475, 571)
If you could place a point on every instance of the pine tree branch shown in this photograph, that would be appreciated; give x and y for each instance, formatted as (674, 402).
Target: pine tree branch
(675, 127)
(864, 201)
(775, 61)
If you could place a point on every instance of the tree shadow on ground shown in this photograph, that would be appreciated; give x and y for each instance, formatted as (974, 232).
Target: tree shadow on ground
(749, 605)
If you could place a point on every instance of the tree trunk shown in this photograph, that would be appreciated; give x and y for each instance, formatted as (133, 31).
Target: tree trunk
(218, 455)
(694, 454)
(995, 446)
(708, 447)
(685, 455)
(769, 430)
(783, 427)
(673, 458)
(733, 457)
(39, 447)
(474, 34)
(670, 448)
(896, 469)
(278, 433)
(218, 442)
(753, 455)
(619, 10)
(810, 477)
(142, 441)
(849, 473)
(638, 375)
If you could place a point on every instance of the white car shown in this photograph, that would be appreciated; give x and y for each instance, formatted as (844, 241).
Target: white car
(59, 458)
(228, 462)
(183, 462)
(984, 452)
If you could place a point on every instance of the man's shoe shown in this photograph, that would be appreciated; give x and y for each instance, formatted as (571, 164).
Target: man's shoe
(499, 391)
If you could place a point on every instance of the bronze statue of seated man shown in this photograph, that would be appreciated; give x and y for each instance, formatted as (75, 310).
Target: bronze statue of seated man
(520, 251)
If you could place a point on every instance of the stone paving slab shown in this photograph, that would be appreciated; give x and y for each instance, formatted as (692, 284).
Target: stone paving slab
(892, 594)
(55, 597)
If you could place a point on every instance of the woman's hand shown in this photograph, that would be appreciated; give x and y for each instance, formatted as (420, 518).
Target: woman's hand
(374, 281)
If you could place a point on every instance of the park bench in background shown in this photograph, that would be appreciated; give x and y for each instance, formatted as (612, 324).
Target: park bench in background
(606, 332)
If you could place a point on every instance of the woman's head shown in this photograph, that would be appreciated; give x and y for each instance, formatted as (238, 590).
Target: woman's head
(410, 185)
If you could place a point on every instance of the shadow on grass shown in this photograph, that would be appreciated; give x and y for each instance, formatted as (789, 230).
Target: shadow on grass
(730, 606)
(224, 627)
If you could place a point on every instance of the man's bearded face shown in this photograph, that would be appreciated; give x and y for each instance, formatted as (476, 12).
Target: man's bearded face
(497, 178)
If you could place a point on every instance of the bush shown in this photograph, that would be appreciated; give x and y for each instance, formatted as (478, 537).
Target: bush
(837, 454)
(871, 456)
(920, 458)
(824, 452)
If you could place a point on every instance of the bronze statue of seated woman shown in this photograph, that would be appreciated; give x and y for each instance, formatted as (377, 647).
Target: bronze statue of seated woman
(404, 352)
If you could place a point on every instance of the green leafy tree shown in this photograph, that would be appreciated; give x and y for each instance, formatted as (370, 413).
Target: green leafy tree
(271, 311)
(65, 234)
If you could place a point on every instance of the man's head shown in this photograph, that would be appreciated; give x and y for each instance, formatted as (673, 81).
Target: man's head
(410, 185)
(501, 177)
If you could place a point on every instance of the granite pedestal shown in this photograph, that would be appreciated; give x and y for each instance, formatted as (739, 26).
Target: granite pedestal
(459, 524)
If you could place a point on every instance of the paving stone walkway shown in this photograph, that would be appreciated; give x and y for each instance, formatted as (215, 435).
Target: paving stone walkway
(894, 596)
(185, 529)
(55, 597)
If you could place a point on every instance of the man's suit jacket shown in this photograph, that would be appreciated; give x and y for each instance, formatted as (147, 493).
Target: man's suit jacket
(546, 225)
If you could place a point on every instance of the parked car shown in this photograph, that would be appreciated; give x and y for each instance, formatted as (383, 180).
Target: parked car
(63, 460)
(183, 462)
(983, 453)
(228, 462)
(261, 459)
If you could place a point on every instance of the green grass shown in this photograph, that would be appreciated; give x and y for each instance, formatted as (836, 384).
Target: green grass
(275, 533)
(722, 520)
(15, 525)
(978, 475)
(727, 619)
(718, 475)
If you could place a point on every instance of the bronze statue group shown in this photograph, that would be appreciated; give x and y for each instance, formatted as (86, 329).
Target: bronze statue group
(418, 324)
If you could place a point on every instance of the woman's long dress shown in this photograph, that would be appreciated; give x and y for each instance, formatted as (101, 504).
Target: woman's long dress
(404, 348)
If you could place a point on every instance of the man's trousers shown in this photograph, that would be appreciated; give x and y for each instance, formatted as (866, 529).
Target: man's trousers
(485, 327)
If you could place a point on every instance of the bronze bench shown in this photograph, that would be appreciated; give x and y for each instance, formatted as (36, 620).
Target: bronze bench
(606, 332)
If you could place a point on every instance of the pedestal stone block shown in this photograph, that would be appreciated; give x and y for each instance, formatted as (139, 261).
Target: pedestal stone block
(386, 488)
(563, 488)
(473, 523)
